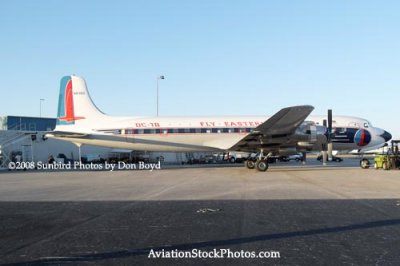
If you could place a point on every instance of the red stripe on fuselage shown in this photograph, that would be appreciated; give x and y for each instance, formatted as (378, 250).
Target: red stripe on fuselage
(362, 137)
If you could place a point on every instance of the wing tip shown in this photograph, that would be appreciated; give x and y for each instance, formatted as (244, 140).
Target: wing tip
(308, 108)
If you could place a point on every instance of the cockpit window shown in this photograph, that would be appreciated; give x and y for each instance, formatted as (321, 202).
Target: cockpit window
(366, 125)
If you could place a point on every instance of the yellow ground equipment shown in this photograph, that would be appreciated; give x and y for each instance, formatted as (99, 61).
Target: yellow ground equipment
(391, 160)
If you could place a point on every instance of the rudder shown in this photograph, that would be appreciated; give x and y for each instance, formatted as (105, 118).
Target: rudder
(74, 102)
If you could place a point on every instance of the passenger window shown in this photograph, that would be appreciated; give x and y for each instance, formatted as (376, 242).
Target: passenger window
(341, 130)
(354, 124)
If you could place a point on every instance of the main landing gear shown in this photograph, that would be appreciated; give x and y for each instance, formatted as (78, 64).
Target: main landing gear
(259, 162)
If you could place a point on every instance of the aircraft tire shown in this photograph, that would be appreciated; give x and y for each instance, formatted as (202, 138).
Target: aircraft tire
(262, 165)
(250, 164)
(385, 166)
(364, 163)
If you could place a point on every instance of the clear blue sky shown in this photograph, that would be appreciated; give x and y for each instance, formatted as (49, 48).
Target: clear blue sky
(218, 57)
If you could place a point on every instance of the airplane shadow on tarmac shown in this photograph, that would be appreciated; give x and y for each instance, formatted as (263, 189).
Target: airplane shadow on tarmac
(36, 233)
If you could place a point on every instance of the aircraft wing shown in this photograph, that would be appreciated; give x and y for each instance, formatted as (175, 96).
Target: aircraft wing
(82, 135)
(276, 132)
(65, 134)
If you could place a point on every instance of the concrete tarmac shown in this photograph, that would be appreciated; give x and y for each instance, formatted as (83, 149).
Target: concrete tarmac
(308, 214)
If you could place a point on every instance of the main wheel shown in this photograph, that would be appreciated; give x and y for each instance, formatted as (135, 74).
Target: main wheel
(262, 165)
(250, 164)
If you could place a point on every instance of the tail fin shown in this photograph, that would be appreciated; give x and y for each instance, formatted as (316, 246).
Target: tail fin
(74, 102)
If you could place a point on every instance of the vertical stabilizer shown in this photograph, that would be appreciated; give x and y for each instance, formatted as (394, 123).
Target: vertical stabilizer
(75, 104)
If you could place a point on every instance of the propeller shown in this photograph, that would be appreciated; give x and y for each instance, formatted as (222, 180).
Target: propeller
(327, 147)
(330, 135)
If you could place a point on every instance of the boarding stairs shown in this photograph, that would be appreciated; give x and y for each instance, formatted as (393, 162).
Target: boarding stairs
(27, 153)
(12, 138)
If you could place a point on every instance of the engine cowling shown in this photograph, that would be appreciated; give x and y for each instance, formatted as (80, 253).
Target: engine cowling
(287, 151)
(310, 136)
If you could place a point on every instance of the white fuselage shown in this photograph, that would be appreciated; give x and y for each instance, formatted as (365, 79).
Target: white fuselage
(184, 134)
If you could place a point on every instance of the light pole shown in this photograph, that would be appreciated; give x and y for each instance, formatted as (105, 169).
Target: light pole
(158, 78)
(40, 104)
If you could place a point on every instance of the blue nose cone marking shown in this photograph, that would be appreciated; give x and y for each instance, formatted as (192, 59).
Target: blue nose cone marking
(362, 137)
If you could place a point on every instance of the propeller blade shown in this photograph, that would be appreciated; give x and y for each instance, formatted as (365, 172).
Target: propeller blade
(330, 122)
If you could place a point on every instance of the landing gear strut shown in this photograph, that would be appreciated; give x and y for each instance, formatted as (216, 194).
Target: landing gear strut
(261, 163)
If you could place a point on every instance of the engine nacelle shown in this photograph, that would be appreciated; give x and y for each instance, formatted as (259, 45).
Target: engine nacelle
(287, 151)
(310, 136)
(312, 146)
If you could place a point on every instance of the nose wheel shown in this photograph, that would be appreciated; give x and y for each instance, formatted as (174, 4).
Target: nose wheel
(364, 163)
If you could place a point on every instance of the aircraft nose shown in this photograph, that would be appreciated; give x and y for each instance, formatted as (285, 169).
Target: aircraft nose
(386, 136)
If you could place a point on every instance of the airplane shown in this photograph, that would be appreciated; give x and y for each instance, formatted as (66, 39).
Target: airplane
(289, 131)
